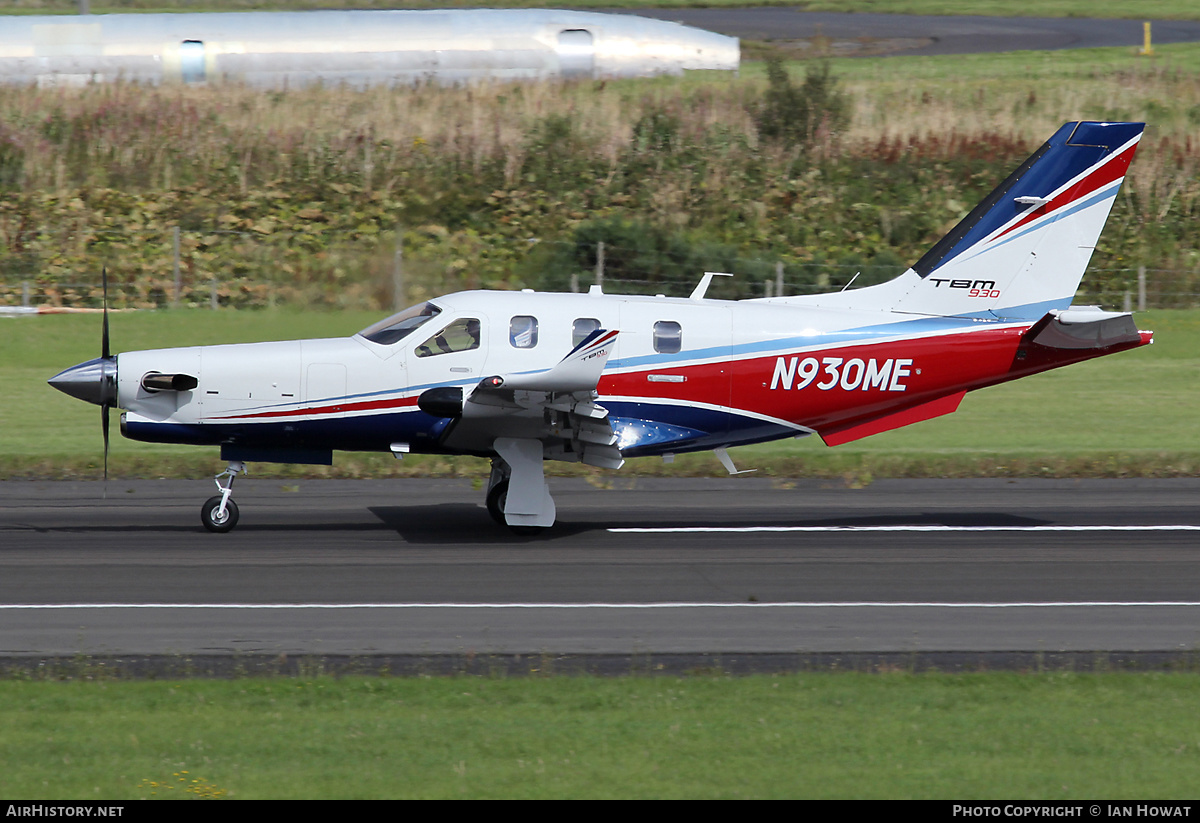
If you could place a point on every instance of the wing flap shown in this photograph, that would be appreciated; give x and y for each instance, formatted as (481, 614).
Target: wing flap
(556, 406)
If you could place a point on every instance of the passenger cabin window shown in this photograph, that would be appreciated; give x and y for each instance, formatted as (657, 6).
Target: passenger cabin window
(582, 328)
(398, 326)
(523, 331)
(668, 337)
(461, 335)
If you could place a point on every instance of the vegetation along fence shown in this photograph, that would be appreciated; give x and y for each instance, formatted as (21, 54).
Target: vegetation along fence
(233, 269)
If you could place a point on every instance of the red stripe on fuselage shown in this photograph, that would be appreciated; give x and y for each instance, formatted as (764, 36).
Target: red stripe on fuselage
(877, 378)
(860, 382)
(337, 408)
(916, 369)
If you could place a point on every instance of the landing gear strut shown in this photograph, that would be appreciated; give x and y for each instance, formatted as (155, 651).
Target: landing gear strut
(219, 513)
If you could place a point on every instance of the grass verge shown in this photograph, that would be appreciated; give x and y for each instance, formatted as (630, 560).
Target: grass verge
(850, 735)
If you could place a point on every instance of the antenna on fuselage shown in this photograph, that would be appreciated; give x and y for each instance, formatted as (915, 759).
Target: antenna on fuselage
(702, 287)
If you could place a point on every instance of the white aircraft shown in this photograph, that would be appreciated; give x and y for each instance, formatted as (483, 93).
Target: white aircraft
(524, 377)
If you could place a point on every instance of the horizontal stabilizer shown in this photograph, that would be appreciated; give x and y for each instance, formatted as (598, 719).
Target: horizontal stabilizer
(1084, 328)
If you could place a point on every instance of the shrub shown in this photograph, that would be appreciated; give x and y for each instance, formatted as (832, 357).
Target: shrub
(794, 116)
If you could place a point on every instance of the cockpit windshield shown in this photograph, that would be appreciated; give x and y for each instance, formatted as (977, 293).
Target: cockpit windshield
(398, 326)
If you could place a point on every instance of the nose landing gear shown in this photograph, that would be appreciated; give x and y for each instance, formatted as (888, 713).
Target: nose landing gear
(219, 513)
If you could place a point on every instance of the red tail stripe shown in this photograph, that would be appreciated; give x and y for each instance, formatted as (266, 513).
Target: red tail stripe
(1112, 170)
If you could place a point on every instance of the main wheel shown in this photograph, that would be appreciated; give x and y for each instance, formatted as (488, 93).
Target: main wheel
(496, 498)
(222, 524)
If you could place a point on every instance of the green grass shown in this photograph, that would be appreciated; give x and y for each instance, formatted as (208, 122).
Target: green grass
(1132, 414)
(850, 735)
(1133, 9)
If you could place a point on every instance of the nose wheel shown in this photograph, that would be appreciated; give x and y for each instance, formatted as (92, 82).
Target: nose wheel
(219, 513)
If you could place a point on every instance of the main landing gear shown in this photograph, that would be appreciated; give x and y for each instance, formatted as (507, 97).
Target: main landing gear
(219, 513)
(517, 494)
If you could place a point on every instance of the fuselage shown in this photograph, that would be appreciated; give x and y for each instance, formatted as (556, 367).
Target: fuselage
(685, 375)
(356, 48)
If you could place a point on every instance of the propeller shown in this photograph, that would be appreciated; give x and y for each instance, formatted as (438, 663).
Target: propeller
(107, 378)
(96, 380)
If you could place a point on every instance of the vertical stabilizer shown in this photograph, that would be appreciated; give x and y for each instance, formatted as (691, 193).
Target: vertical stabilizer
(1024, 249)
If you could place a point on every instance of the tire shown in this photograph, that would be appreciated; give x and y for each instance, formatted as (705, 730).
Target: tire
(495, 501)
(495, 506)
(208, 516)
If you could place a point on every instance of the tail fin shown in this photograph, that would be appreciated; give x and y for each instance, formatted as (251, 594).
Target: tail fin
(1024, 249)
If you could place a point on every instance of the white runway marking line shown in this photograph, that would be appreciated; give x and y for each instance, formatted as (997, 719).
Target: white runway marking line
(867, 604)
(912, 528)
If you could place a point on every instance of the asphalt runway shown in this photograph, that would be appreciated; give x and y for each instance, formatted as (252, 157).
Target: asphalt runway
(644, 568)
(926, 35)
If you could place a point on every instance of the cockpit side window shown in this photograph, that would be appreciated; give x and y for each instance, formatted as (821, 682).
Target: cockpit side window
(398, 326)
(461, 335)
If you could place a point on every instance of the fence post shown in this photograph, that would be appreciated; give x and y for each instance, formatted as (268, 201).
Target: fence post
(397, 272)
(175, 268)
(1141, 288)
(212, 298)
(1128, 301)
(25, 293)
(779, 278)
(600, 264)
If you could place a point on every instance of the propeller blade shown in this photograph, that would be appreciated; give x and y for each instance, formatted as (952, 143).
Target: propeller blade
(104, 428)
(104, 352)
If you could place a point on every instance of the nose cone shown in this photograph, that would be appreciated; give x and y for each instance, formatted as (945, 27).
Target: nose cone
(94, 381)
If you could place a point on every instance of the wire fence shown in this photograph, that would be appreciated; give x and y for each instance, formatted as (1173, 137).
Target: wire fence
(382, 271)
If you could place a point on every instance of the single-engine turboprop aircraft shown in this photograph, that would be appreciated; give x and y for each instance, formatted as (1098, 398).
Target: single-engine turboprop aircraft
(525, 377)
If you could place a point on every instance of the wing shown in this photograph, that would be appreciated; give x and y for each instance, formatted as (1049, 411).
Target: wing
(556, 406)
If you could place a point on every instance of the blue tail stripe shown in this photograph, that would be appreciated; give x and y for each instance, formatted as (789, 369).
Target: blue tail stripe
(1074, 148)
